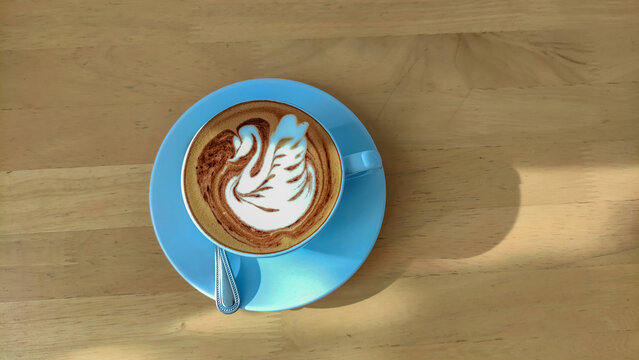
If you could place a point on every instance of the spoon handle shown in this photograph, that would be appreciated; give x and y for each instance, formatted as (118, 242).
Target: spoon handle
(226, 294)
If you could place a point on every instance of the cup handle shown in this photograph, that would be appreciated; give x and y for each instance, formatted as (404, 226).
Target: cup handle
(361, 161)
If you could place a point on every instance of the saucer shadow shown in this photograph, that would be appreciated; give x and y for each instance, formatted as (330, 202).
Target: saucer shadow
(454, 204)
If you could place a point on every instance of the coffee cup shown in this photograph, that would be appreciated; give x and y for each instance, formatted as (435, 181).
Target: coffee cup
(262, 178)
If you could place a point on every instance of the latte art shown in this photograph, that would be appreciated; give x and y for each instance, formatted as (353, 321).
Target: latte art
(283, 187)
(261, 177)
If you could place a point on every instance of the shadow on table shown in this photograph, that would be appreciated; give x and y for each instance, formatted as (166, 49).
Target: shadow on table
(441, 204)
(442, 212)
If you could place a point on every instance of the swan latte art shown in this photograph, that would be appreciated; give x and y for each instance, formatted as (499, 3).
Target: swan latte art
(261, 177)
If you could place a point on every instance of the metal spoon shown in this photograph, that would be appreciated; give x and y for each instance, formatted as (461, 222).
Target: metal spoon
(226, 294)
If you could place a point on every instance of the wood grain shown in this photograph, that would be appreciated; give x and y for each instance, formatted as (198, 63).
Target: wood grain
(65, 23)
(182, 72)
(509, 132)
(506, 308)
(439, 119)
(74, 199)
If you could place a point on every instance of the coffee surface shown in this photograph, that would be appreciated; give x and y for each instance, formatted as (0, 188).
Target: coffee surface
(261, 176)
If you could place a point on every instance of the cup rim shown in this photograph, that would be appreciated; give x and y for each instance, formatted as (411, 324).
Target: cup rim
(301, 243)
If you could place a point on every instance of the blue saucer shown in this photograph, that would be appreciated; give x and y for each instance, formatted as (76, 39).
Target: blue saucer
(301, 276)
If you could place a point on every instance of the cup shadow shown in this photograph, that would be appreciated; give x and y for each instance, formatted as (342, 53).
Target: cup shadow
(444, 207)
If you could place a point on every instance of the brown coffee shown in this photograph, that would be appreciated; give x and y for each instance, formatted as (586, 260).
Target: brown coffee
(261, 177)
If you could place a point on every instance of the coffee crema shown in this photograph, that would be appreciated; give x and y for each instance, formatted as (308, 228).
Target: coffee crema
(261, 177)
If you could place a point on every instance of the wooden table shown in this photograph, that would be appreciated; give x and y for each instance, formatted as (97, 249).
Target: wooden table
(509, 132)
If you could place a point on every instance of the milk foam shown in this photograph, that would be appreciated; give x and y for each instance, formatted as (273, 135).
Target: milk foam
(283, 189)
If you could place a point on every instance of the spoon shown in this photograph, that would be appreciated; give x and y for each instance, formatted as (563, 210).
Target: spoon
(226, 294)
